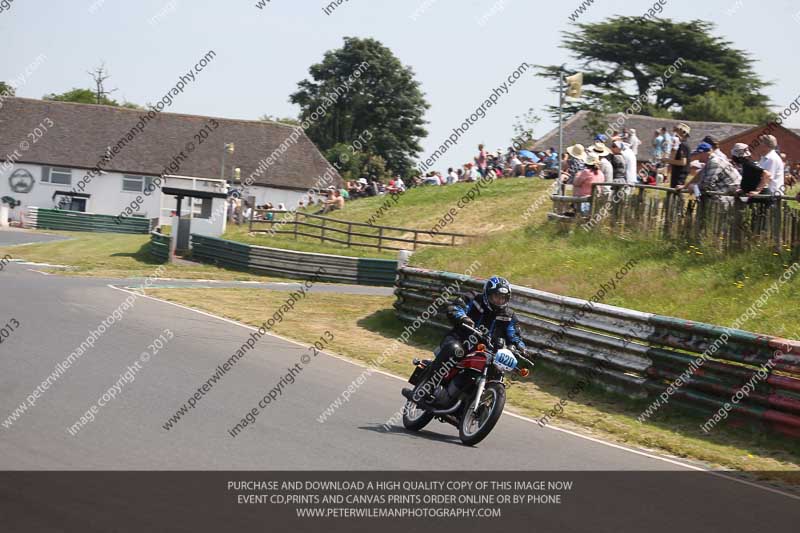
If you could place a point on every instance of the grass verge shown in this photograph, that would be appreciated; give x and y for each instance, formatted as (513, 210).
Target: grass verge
(365, 325)
(113, 255)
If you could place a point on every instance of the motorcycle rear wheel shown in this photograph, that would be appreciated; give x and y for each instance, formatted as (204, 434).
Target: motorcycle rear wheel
(475, 427)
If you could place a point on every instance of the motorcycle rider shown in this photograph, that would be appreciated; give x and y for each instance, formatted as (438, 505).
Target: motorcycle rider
(488, 310)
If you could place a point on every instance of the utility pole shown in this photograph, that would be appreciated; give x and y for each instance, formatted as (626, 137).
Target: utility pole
(560, 126)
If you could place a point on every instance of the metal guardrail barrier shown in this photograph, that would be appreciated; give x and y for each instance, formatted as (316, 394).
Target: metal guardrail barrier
(159, 246)
(380, 237)
(292, 264)
(58, 219)
(638, 354)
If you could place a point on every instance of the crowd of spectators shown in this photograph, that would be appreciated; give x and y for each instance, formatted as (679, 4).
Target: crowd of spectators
(672, 163)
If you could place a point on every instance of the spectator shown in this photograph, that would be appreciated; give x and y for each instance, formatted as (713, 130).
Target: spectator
(666, 144)
(658, 142)
(335, 202)
(603, 154)
(754, 178)
(634, 141)
(576, 161)
(719, 174)
(695, 168)
(452, 177)
(772, 163)
(431, 179)
(680, 162)
(631, 176)
(582, 185)
(618, 163)
(471, 174)
(516, 165)
(481, 161)
(460, 174)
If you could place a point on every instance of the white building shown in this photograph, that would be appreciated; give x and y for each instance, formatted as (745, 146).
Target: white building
(114, 161)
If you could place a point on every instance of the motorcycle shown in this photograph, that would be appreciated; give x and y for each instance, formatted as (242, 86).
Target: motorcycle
(469, 393)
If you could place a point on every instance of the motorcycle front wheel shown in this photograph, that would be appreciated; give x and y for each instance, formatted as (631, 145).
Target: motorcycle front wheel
(476, 425)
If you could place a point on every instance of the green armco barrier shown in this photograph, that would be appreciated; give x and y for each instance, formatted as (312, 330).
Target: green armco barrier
(57, 219)
(292, 264)
(159, 246)
(640, 355)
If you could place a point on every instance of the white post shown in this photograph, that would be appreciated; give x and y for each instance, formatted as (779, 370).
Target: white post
(3, 215)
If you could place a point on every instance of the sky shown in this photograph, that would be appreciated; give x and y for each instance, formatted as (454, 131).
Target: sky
(459, 50)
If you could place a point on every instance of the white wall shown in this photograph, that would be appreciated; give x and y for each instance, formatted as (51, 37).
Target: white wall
(107, 196)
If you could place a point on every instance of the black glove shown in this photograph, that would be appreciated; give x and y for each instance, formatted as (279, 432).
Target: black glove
(520, 347)
(466, 321)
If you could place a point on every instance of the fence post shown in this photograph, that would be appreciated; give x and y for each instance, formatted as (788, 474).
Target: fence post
(380, 237)
(250, 226)
(349, 233)
(322, 230)
(416, 236)
(296, 219)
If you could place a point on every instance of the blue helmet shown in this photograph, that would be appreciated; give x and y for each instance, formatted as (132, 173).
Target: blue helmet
(496, 293)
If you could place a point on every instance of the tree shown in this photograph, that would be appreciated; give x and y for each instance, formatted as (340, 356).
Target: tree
(285, 120)
(80, 96)
(353, 165)
(98, 95)
(362, 87)
(100, 75)
(734, 107)
(6, 89)
(523, 128)
(664, 65)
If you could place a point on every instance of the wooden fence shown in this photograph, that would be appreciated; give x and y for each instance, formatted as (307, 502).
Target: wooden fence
(328, 229)
(723, 222)
(637, 354)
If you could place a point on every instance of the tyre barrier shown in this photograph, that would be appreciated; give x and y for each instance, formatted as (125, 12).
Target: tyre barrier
(58, 219)
(292, 264)
(639, 355)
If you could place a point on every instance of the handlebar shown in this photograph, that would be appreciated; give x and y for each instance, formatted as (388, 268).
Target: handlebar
(484, 337)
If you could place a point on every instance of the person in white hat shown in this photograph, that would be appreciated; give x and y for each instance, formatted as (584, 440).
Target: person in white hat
(576, 161)
(582, 185)
(602, 152)
(680, 161)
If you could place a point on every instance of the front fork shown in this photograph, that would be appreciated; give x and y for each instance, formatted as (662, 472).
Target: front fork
(481, 387)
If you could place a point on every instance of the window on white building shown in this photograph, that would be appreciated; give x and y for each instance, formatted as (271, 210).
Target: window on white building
(135, 183)
(57, 175)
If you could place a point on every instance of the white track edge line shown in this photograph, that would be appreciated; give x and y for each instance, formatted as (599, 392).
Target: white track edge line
(515, 415)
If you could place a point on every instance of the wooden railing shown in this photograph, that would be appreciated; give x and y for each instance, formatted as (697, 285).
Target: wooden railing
(720, 221)
(348, 233)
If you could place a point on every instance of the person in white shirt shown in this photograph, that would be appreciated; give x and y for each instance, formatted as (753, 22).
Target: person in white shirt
(630, 162)
(452, 177)
(773, 164)
(634, 141)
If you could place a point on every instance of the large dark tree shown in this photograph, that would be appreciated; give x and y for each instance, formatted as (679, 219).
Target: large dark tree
(624, 58)
(385, 100)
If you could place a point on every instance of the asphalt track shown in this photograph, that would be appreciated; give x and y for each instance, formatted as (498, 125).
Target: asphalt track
(56, 313)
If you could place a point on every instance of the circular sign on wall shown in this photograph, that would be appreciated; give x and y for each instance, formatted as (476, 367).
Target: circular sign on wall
(21, 181)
